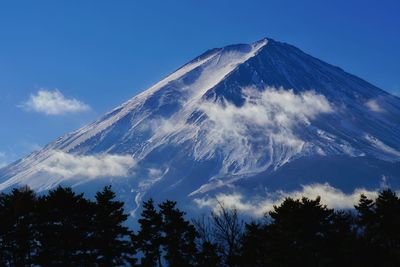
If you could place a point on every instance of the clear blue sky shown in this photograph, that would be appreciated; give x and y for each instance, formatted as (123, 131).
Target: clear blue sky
(104, 52)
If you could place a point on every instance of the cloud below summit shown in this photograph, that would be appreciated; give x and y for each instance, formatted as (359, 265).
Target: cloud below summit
(268, 117)
(69, 166)
(275, 110)
(259, 205)
(273, 113)
(373, 105)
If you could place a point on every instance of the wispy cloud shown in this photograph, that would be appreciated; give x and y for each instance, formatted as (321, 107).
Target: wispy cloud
(259, 205)
(373, 105)
(53, 102)
(275, 110)
(103, 165)
(269, 117)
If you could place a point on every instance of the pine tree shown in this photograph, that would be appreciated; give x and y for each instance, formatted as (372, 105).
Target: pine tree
(111, 239)
(149, 238)
(298, 232)
(387, 212)
(366, 211)
(17, 227)
(23, 203)
(380, 222)
(342, 246)
(64, 228)
(5, 226)
(179, 236)
(255, 246)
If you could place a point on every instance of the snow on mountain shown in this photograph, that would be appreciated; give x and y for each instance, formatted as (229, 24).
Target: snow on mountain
(245, 118)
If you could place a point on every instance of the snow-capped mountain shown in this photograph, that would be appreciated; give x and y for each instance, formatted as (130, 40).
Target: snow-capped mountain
(246, 118)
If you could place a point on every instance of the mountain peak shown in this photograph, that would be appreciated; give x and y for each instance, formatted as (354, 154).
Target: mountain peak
(235, 116)
(264, 40)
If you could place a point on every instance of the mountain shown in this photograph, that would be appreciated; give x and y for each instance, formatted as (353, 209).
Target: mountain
(248, 119)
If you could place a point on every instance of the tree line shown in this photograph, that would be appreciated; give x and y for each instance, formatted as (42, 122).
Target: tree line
(63, 228)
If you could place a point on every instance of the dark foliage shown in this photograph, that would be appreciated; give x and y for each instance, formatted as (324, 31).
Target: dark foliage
(111, 244)
(179, 236)
(379, 223)
(63, 228)
(166, 236)
(17, 232)
(149, 237)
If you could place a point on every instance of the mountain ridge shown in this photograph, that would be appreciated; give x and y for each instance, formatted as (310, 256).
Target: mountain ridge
(231, 113)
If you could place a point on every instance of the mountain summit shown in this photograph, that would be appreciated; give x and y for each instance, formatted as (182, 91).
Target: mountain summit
(248, 118)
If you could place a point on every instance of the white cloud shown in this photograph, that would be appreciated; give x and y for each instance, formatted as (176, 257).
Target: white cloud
(263, 128)
(258, 206)
(53, 103)
(102, 165)
(154, 173)
(373, 106)
(270, 116)
(274, 110)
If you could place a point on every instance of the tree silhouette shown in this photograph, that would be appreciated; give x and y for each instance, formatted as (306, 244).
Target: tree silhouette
(5, 226)
(255, 246)
(17, 227)
(380, 222)
(208, 253)
(149, 238)
(62, 228)
(366, 211)
(342, 246)
(208, 256)
(227, 231)
(298, 229)
(64, 222)
(111, 239)
(178, 236)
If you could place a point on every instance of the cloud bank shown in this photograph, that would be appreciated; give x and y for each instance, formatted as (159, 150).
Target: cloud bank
(257, 206)
(103, 165)
(53, 103)
(263, 128)
(275, 110)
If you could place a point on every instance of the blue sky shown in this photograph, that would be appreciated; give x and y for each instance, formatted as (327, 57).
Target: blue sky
(97, 54)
